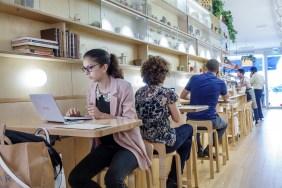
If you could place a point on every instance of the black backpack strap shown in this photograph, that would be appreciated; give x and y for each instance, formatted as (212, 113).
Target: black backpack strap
(54, 155)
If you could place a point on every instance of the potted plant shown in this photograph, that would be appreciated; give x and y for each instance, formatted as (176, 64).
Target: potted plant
(217, 8)
(227, 18)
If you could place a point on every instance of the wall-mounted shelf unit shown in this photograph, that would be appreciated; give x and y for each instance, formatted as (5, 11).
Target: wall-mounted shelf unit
(137, 23)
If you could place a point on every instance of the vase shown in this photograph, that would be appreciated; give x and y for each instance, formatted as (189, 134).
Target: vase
(117, 29)
(27, 3)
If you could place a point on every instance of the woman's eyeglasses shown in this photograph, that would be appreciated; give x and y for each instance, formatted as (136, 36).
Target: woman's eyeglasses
(88, 68)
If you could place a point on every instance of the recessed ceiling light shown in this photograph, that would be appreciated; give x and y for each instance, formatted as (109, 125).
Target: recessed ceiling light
(261, 26)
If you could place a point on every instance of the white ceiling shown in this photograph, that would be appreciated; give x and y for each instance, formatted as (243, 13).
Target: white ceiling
(248, 16)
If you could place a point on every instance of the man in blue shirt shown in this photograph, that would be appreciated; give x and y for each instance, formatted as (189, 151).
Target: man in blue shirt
(205, 89)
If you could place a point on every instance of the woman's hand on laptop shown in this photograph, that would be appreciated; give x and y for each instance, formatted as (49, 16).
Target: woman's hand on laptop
(73, 112)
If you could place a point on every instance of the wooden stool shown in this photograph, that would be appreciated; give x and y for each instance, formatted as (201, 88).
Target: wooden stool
(232, 111)
(242, 118)
(233, 114)
(160, 148)
(211, 132)
(249, 116)
(224, 140)
(192, 161)
(134, 175)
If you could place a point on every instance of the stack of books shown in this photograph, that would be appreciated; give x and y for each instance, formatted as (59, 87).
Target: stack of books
(34, 46)
(54, 34)
(68, 42)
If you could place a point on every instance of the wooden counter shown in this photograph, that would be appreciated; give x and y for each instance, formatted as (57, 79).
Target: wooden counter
(116, 125)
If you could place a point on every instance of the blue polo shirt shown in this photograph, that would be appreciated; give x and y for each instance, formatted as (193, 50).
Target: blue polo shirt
(205, 90)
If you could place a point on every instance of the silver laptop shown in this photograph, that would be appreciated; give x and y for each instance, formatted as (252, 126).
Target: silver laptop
(48, 110)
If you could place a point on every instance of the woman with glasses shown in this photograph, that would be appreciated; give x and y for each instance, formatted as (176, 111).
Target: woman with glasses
(109, 97)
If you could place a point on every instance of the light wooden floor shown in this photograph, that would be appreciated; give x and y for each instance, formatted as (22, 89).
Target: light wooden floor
(256, 160)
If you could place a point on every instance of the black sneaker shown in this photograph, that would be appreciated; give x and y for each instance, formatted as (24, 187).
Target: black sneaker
(206, 153)
(257, 122)
(201, 153)
(170, 184)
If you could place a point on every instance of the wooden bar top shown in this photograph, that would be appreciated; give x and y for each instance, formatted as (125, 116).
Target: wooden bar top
(192, 108)
(116, 125)
(231, 98)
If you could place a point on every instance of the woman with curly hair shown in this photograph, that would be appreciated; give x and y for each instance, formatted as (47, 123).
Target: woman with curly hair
(154, 105)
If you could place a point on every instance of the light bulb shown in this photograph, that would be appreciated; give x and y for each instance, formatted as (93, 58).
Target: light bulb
(34, 78)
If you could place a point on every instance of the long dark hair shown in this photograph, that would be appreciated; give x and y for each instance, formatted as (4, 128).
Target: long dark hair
(102, 57)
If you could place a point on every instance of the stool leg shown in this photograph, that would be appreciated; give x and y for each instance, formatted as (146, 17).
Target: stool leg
(178, 170)
(194, 169)
(131, 180)
(189, 172)
(224, 145)
(149, 177)
(248, 119)
(216, 151)
(210, 135)
(99, 178)
(244, 119)
(203, 142)
(162, 170)
(232, 130)
(194, 159)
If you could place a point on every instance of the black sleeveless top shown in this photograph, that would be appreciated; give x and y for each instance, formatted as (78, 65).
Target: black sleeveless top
(103, 104)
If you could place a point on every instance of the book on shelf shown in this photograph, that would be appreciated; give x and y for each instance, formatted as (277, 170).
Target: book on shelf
(33, 48)
(34, 52)
(67, 44)
(53, 34)
(21, 41)
(77, 49)
(72, 45)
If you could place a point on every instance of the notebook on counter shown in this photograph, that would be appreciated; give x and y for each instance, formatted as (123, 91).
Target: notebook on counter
(83, 126)
(48, 110)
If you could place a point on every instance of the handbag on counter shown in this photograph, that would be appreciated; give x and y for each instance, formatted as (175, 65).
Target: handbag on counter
(25, 164)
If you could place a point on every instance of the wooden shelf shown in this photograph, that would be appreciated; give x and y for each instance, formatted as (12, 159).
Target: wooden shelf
(197, 58)
(206, 27)
(178, 12)
(33, 14)
(29, 13)
(25, 99)
(166, 49)
(11, 54)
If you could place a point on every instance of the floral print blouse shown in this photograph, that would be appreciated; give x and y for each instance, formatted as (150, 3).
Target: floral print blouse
(152, 108)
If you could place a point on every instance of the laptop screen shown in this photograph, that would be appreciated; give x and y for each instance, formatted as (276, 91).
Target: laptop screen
(48, 109)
